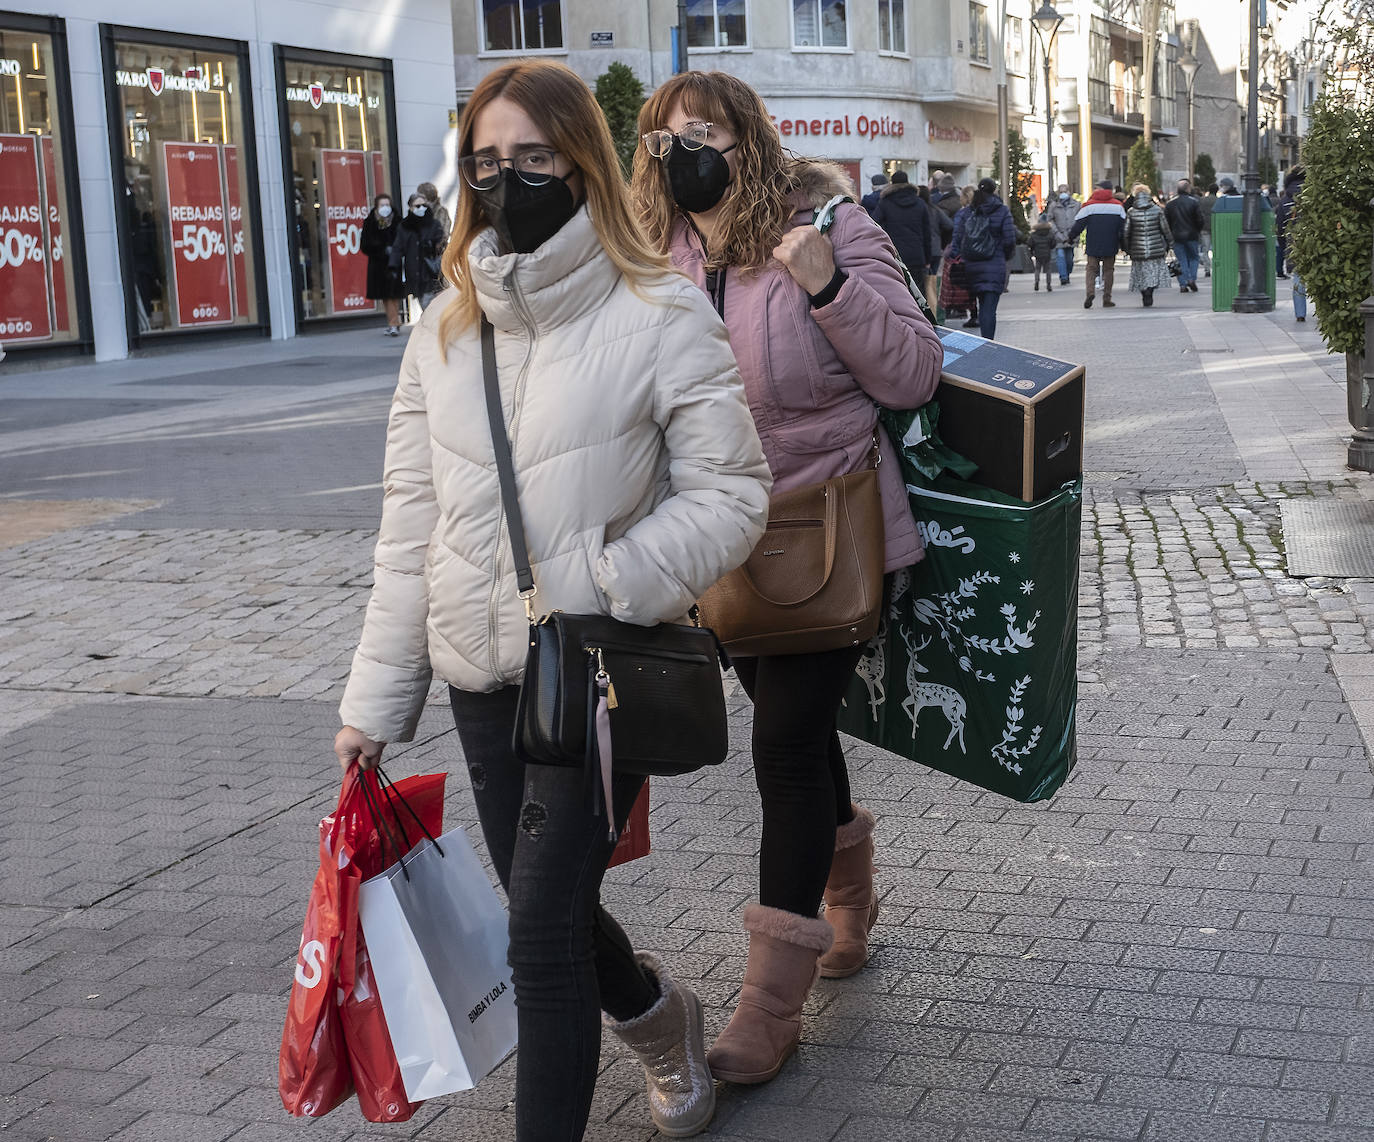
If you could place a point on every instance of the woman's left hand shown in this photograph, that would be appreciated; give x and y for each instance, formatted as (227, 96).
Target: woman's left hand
(808, 256)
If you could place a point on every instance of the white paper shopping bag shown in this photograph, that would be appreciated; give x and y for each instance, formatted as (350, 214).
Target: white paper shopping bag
(437, 936)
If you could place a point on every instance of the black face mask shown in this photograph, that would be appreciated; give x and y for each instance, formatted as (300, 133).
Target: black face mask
(698, 179)
(525, 217)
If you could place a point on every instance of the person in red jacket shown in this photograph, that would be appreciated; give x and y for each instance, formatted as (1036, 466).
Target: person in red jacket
(1103, 219)
(822, 325)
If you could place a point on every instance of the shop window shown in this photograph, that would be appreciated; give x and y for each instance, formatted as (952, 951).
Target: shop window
(1014, 36)
(39, 286)
(820, 24)
(892, 26)
(185, 179)
(977, 31)
(522, 25)
(717, 24)
(339, 153)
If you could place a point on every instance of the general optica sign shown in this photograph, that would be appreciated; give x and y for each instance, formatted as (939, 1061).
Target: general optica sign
(24, 287)
(344, 178)
(200, 254)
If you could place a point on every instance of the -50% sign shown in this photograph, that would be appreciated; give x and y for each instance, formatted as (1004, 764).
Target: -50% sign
(347, 238)
(16, 248)
(201, 243)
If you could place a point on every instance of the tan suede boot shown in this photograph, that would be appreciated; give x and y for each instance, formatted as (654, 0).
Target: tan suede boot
(784, 957)
(851, 904)
(668, 1042)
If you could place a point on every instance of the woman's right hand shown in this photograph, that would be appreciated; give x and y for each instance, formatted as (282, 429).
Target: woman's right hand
(352, 745)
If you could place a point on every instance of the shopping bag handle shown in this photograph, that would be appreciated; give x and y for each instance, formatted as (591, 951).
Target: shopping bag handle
(383, 829)
(389, 788)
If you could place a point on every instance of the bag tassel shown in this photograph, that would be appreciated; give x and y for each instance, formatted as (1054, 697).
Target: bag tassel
(603, 749)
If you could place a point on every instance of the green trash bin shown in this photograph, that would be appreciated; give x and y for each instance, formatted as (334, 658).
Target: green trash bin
(1225, 253)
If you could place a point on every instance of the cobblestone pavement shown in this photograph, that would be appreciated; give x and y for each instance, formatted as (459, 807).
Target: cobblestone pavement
(1180, 945)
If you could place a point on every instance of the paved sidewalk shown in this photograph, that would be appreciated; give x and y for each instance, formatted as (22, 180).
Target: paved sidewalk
(1179, 946)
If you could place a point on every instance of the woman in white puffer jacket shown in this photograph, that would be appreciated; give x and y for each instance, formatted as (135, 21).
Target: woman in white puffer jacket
(641, 481)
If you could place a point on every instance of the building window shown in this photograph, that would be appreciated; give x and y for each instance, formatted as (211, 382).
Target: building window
(42, 293)
(522, 25)
(820, 24)
(337, 123)
(717, 24)
(185, 181)
(892, 26)
(977, 31)
(1014, 33)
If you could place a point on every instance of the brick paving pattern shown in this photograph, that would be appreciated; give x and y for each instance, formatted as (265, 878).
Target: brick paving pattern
(1180, 945)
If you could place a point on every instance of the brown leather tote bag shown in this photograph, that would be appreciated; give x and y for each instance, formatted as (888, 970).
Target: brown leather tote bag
(814, 582)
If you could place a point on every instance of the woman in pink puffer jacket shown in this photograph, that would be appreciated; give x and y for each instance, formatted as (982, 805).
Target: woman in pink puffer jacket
(822, 326)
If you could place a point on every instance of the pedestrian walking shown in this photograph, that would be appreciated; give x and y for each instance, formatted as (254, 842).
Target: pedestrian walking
(380, 244)
(870, 200)
(948, 201)
(908, 222)
(956, 296)
(985, 238)
(437, 210)
(1061, 214)
(1285, 217)
(823, 326)
(1206, 204)
(1184, 216)
(421, 246)
(1148, 239)
(1041, 246)
(617, 373)
(1102, 221)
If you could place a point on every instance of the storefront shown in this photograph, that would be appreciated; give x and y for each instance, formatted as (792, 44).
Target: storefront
(338, 131)
(185, 182)
(43, 296)
(866, 137)
(229, 155)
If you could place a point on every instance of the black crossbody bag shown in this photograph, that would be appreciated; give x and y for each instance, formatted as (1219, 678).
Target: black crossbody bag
(598, 693)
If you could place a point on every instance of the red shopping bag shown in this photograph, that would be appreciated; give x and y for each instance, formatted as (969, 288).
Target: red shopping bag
(335, 1038)
(634, 838)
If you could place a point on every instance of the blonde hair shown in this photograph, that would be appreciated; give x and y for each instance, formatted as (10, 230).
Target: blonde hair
(557, 100)
(1140, 188)
(756, 209)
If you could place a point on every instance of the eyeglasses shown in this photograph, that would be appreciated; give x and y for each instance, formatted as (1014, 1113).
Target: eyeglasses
(534, 165)
(692, 137)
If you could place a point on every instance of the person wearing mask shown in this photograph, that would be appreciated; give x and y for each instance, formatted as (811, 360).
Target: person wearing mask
(437, 210)
(641, 481)
(1060, 215)
(870, 200)
(1205, 205)
(1184, 216)
(985, 237)
(380, 243)
(421, 246)
(907, 220)
(1148, 239)
(1102, 221)
(823, 326)
(1227, 187)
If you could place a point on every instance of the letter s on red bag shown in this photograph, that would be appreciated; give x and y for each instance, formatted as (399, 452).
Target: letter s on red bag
(310, 970)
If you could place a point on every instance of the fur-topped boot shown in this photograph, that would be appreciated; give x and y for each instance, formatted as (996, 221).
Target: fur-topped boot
(668, 1040)
(784, 963)
(851, 904)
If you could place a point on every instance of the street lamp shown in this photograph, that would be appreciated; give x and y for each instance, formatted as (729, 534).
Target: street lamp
(1046, 24)
(1252, 294)
(1189, 64)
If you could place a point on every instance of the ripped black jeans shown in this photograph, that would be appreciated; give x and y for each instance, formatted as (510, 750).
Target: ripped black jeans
(569, 959)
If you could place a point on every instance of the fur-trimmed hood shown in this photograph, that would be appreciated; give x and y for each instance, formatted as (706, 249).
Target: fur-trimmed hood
(893, 188)
(820, 182)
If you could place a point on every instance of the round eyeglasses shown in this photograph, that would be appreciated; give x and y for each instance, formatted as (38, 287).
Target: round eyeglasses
(534, 165)
(692, 137)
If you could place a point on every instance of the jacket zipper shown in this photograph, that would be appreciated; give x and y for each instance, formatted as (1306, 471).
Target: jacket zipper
(512, 287)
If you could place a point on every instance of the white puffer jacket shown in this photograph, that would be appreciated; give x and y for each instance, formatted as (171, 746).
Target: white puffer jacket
(640, 473)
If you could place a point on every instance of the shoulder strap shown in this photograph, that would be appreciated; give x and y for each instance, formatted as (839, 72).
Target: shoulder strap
(825, 216)
(505, 470)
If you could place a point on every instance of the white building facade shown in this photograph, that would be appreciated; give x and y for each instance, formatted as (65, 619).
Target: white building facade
(877, 85)
(202, 171)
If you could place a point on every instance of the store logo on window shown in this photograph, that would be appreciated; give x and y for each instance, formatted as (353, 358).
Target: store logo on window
(156, 80)
(317, 95)
(156, 77)
(9, 67)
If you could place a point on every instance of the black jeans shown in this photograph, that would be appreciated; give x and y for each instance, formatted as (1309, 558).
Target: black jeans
(569, 959)
(800, 769)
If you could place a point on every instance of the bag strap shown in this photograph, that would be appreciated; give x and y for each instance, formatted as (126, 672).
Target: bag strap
(505, 471)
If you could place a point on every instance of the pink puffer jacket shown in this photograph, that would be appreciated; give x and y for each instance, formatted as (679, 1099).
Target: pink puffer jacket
(812, 375)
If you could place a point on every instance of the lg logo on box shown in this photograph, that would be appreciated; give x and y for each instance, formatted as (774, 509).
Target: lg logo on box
(310, 969)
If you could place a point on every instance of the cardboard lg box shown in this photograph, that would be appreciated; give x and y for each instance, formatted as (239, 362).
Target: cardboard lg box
(1017, 415)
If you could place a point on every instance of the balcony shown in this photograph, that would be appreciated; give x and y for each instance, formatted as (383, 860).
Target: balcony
(1113, 105)
(1288, 128)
